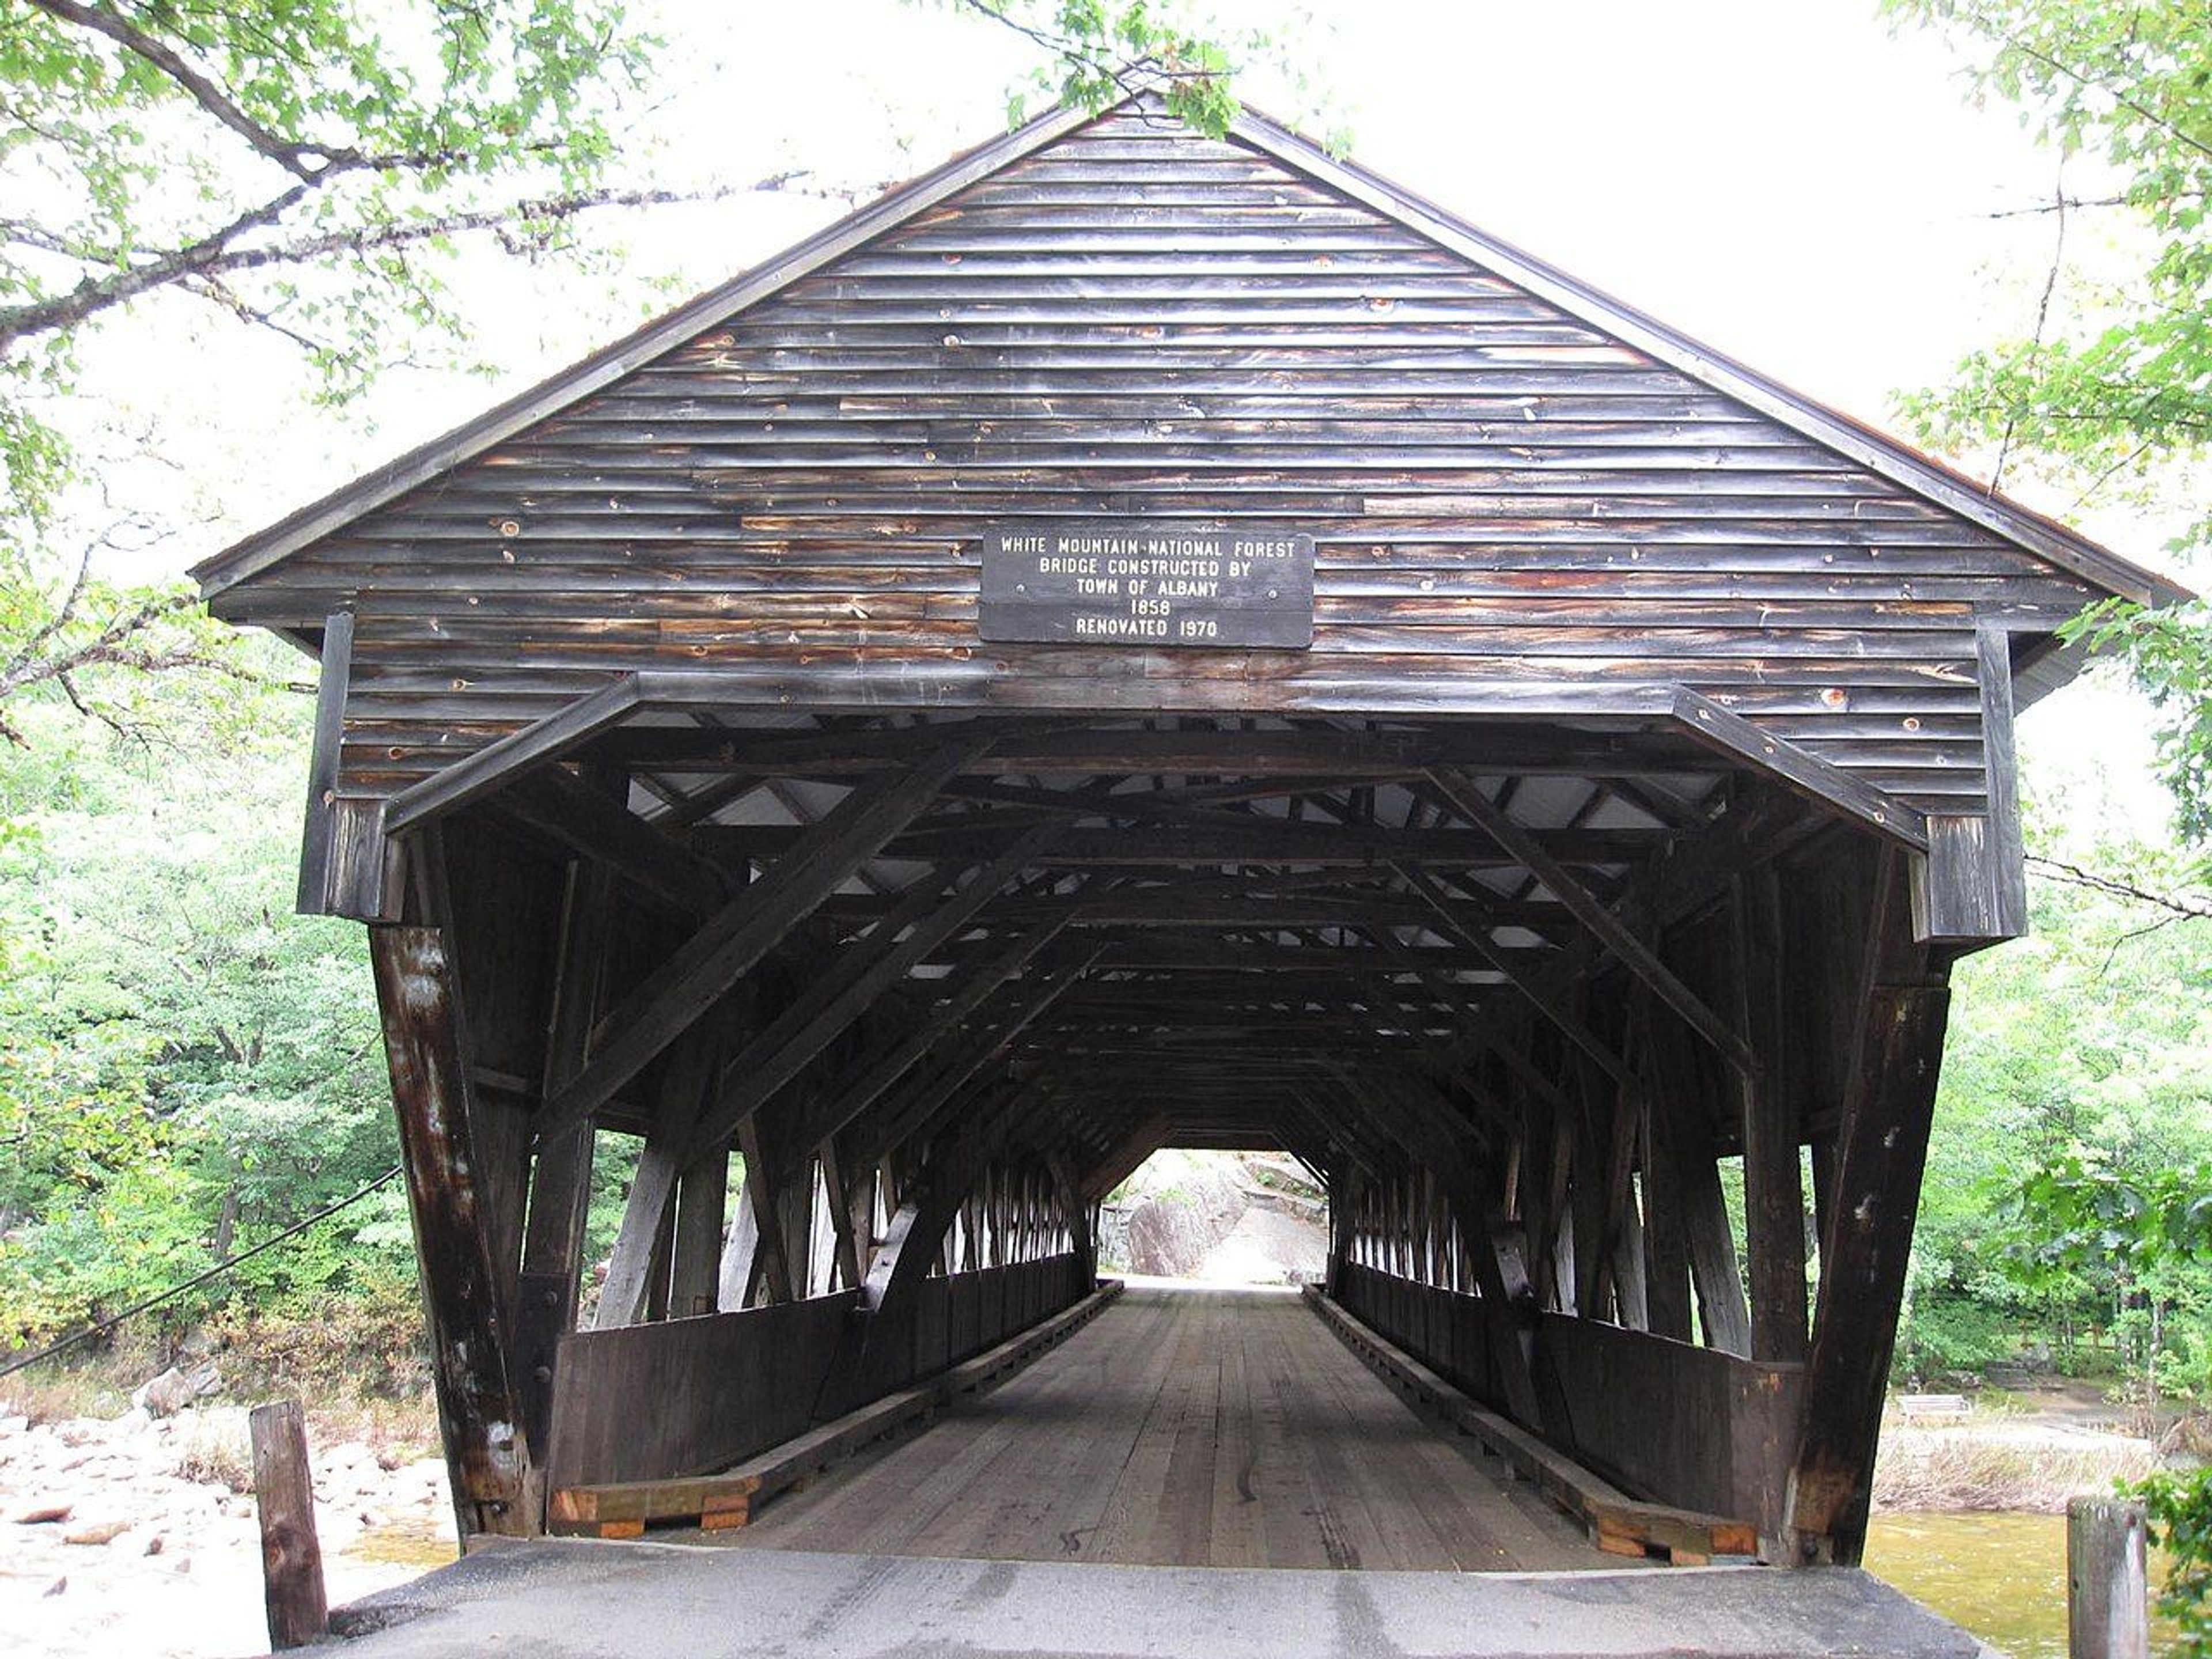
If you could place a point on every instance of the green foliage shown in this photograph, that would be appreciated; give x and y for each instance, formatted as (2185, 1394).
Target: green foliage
(2180, 1507)
(183, 1063)
(2117, 374)
(2088, 1216)
(298, 163)
(2114, 380)
(2073, 1072)
(300, 166)
(1105, 50)
(1960, 1333)
(2169, 652)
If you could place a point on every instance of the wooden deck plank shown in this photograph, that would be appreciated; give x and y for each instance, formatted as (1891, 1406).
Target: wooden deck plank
(1042, 1497)
(1185, 1427)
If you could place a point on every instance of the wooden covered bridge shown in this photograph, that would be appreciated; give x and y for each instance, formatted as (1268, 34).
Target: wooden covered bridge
(1133, 640)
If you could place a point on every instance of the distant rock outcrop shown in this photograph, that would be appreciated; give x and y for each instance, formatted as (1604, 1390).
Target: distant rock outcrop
(1218, 1216)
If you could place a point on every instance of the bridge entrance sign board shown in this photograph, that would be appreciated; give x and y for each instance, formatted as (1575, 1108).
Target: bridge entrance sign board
(1147, 584)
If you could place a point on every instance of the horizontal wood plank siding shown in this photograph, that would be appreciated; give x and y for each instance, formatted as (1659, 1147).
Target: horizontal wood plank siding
(1668, 1421)
(1140, 323)
(692, 1396)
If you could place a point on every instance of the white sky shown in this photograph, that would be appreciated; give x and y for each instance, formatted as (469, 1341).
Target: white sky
(1790, 182)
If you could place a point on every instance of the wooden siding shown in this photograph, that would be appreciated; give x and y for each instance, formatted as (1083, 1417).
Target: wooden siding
(1137, 322)
(724, 1386)
(1681, 1425)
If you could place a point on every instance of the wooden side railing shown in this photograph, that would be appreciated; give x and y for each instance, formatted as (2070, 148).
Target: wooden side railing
(690, 1396)
(1668, 1421)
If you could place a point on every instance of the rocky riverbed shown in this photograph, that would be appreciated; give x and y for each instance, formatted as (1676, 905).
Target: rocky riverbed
(136, 1535)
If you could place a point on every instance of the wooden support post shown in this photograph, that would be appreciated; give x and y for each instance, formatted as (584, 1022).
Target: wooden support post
(1618, 1274)
(794, 1197)
(1970, 888)
(315, 897)
(740, 1251)
(500, 1024)
(1630, 1305)
(291, 1558)
(770, 1263)
(668, 1144)
(2107, 1579)
(1896, 1057)
(487, 1451)
(702, 1198)
(1666, 1241)
(1594, 1205)
(1774, 1189)
(561, 1176)
(1682, 1141)
(882, 1328)
(838, 1203)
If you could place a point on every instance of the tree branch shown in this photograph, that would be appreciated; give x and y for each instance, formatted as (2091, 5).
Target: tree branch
(2183, 907)
(364, 238)
(301, 160)
(2085, 78)
(97, 294)
(215, 254)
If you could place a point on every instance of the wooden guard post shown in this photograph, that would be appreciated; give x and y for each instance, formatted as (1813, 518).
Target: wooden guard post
(291, 1558)
(2108, 1582)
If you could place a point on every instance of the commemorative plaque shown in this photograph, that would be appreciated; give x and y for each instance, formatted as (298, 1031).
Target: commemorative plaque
(1140, 584)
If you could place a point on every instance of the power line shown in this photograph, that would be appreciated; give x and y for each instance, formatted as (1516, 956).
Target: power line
(197, 1279)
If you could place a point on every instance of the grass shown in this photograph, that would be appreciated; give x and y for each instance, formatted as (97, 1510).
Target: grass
(60, 1390)
(1956, 1469)
(214, 1451)
(358, 1368)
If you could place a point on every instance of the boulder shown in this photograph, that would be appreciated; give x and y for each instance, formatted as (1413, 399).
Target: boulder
(175, 1389)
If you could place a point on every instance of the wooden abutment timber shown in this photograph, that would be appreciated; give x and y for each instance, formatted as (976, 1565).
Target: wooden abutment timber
(866, 740)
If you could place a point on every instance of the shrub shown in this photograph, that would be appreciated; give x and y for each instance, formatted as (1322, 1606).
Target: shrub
(1948, 1336)
(2180, 1508)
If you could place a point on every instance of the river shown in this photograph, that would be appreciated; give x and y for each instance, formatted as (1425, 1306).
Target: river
(2000, 1574)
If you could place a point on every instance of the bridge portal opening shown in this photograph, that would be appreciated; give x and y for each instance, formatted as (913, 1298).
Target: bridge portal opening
(1217, 1216)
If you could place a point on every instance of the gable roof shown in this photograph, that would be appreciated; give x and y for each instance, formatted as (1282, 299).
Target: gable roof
(1879, 453)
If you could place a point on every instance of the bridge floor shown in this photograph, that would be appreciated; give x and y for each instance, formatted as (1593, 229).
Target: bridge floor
(1186, 1428)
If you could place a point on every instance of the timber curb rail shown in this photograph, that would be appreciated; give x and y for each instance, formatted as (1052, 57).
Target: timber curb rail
(1618, 1524)
(715, 1502)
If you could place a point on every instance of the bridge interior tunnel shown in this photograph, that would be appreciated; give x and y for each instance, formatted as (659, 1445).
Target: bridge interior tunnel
(893, 1001)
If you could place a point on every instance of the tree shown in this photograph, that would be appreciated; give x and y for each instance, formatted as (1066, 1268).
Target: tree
(2152, 1228)
(2147, 1233)
(2112, 383)
(303, 166)
(184, 1065)
(312, 169)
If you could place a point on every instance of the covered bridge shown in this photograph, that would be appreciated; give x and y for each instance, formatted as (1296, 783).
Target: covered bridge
(1136, 639)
